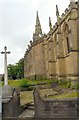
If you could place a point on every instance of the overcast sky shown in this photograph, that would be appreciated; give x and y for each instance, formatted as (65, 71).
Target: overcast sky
(17, 23)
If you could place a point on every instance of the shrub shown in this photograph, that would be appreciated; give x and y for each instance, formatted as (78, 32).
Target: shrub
(62, 82)
(75, 85)
(65, 83)
(30, 88)
(24, 83)
(55, 80)
(68, 84)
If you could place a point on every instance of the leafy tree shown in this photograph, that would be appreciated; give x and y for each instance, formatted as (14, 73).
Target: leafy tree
(16, 71)
(20, 65)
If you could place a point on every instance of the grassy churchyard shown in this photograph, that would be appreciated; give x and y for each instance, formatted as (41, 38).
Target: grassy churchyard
(27, 96)
(49, 89)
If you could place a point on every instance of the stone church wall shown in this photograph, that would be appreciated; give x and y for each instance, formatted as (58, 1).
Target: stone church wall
(56, 54)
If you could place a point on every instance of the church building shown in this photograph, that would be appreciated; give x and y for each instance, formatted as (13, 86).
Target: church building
(55, 55)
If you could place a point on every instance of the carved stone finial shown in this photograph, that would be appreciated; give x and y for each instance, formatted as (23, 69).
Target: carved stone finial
(50, 24)
(30, 42)
(29, 47)
(57, 11)
(57, 14)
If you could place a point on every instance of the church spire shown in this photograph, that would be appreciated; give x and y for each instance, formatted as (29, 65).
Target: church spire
(37, 18)
(38, 30)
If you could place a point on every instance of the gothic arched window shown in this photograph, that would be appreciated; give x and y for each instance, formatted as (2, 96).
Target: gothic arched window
(66, 35)
(68, 47)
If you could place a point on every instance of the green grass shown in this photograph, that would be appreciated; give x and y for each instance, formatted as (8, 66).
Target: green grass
(36, 82)
(70, 94)
(26, 97)
(14, 83)
(47, 92)
(26, 82)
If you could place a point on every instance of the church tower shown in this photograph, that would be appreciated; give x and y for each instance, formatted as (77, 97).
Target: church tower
(38, 30)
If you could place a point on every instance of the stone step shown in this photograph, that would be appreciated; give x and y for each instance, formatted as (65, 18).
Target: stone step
(27, 113)
(31, 107)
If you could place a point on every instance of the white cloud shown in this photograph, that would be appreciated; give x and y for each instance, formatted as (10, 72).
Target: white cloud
(35, 4)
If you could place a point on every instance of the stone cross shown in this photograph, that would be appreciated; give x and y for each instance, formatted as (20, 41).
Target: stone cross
(5, 65)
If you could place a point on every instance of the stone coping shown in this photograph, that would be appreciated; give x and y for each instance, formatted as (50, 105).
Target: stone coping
(6, 100)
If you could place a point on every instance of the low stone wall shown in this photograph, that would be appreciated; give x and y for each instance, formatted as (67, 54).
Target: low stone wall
(55, 108)
(65, 109)
(10, 102)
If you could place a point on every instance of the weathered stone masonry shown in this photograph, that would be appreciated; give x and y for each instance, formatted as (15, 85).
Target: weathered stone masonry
(56, 54)
(55, 108)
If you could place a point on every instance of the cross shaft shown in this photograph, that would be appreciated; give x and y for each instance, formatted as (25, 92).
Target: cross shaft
(5, 52)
